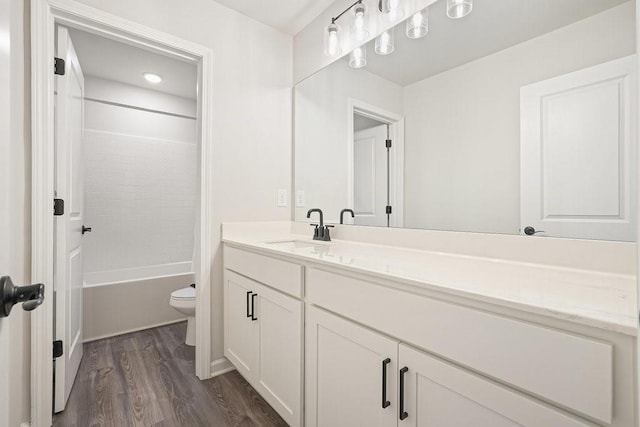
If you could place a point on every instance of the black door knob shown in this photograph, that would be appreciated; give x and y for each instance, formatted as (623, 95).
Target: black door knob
(86, 229)
(530, 231)
(10, 295)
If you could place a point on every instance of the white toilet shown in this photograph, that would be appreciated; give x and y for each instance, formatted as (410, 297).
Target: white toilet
(184, 300)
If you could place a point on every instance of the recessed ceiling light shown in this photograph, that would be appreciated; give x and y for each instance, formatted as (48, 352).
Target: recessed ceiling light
(152, 78)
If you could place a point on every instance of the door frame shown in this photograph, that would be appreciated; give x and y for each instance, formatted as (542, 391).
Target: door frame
(45, 14)
(396, 133)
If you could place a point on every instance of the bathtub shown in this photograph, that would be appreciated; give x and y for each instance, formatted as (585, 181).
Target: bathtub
(128, 300)
(126, 275)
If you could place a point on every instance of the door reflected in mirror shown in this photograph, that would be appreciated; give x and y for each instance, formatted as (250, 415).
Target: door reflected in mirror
(521, 114)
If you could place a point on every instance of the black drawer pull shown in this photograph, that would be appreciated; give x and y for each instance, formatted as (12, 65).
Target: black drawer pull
(385, 402)
(403, 413)
(248, 298)
(253, 306)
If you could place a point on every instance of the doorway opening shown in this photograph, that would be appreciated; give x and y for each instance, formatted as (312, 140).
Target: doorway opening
(138, 113)
(376, 165)
(126, 170)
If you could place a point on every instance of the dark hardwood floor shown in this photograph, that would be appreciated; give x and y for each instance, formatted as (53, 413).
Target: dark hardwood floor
(147, 379)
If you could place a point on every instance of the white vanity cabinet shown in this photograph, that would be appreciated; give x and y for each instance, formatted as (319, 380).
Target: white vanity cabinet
(376, 348)
(435, 393)
(350, 372)
(355, 376)
(263, 340)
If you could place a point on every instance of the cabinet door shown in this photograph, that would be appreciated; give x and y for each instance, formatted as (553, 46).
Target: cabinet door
(438, 394)
(239, 328)
(343, 373)
(279, 352)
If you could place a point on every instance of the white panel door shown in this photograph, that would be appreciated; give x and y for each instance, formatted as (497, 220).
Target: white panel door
(344, 365)
(279, 348)
(5, 186)
(370, 176)
(437, 394)
(578, 148)
(68, 227)
(240, 327)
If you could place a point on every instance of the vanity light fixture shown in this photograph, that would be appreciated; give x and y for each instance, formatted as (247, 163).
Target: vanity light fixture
(332, 31)
(459, 8)
(359, 30)
(384, 42)
(358, 57)
(418, 24)
(152, 78)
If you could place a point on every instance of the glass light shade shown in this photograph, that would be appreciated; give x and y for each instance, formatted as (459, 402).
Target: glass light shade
(391, 9)
(358, 57)
(384, 43)
(332, 40)
(459, 8)
(418, 24)
(359, 30)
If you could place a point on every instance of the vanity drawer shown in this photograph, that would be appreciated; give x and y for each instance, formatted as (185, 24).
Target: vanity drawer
(572, 371)
(278, 274)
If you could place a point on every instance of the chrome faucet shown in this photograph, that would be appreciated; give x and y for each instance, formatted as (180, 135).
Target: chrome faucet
(321, 231)
(343, 211)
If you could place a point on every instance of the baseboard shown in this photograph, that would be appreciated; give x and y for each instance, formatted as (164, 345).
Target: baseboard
(129, 331)
(221, 366)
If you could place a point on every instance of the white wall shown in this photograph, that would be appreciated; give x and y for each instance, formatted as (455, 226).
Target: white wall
(140, 177)
(462, 157)
(251, 114)
(321, 111)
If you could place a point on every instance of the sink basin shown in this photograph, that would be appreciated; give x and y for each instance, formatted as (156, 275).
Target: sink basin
(297, 244)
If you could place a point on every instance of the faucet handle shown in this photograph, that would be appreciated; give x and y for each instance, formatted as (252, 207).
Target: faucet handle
(313, 225)
(325, 235)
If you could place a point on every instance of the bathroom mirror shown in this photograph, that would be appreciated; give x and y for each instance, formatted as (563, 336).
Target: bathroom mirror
(519, 117)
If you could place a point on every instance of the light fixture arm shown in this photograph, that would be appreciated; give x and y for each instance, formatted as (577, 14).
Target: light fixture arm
(333, 20)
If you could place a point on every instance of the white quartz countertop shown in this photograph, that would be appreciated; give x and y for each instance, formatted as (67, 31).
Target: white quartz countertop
(598, 299)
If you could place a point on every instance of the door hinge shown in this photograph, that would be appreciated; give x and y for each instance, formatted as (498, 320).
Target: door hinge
(389, 209)
(58, 207)
(58, 66)
(388, 143)
(57, 349)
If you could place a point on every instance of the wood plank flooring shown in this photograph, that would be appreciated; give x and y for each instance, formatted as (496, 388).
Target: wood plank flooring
(147, 379)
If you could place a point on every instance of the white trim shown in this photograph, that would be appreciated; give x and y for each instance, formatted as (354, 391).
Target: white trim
(44, 15)
(637, 353)
(130, 331)
(221, 366)
(396, 131)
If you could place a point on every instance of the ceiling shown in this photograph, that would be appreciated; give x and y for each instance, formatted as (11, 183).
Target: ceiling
(362, 123)
(289, 16)
(108, 59)
(492, 26)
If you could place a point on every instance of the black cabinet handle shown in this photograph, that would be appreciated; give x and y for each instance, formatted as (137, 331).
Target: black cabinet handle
(253, 306)
(403, 413)
(248, 298)
(385, 402)
(86, 229)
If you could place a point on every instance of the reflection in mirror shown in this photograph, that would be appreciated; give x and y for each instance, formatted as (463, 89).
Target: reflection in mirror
(521, 115)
